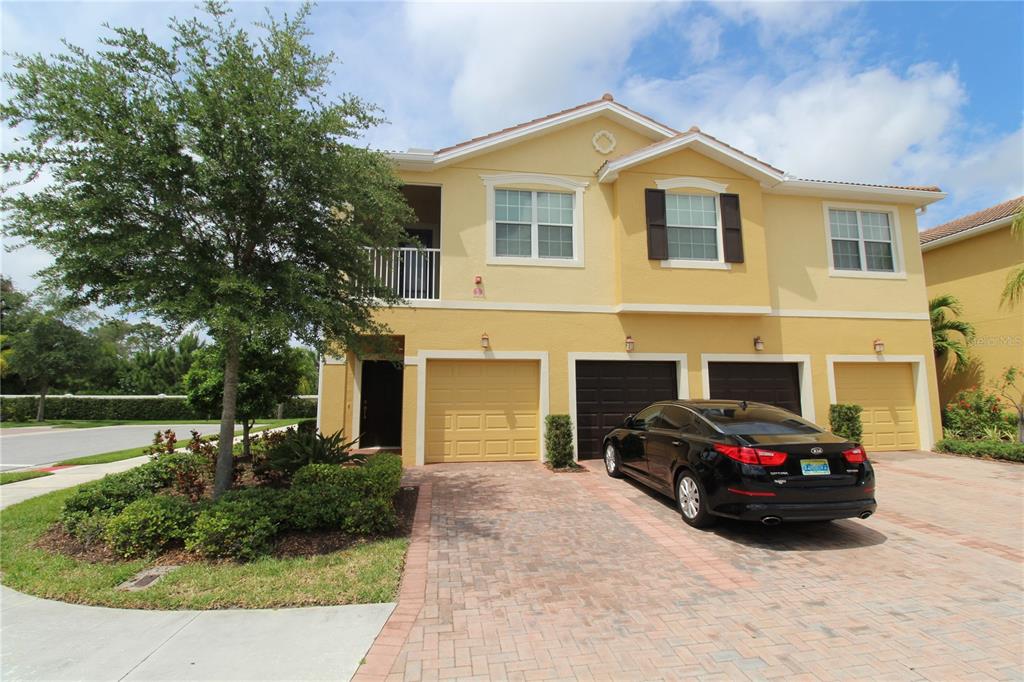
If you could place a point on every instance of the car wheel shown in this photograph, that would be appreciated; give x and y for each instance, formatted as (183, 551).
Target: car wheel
(692, 501)
(612, 463)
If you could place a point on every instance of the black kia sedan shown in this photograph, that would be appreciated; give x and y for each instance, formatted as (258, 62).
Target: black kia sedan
(741, 460)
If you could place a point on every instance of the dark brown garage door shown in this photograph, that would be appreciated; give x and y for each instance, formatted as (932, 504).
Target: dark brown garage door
(775, 383)
(607, 391)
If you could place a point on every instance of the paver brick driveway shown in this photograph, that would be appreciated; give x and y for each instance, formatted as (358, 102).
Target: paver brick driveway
(533, 575)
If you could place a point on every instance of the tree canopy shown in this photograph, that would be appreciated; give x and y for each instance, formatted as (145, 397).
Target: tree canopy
(211, 181)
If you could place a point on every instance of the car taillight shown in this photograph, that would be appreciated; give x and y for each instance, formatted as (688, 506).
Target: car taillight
(855, 455)
(768, 458)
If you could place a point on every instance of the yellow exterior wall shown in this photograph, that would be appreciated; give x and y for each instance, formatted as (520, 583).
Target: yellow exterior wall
(975, 270)
(786, 267)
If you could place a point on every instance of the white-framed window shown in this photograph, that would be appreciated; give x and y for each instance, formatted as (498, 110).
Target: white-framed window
(534, 220)
(863, 241)
(693, 225)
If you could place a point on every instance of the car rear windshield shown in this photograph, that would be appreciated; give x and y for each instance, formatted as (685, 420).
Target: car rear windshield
(757, 421)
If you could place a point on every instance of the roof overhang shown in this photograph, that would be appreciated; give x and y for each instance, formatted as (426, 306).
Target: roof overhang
(422, 161)
(970, 232)
(699, 142)
(848, 190)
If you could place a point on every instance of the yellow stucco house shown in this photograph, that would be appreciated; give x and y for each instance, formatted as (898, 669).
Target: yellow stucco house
(595, 260)
(970, 258)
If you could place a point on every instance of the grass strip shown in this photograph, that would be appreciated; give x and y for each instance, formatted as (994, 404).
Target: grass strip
(94, 423)
(15, 476)
(363, 574)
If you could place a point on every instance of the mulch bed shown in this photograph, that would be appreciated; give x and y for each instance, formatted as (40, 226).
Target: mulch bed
(573, 468)
(290, 544)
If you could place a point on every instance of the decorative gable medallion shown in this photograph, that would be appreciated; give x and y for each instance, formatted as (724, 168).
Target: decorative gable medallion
(604, 142)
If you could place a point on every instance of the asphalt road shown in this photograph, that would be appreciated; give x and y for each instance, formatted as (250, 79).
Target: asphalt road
(20, 448)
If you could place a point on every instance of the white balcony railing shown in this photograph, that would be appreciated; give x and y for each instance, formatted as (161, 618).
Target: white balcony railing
(412, 273)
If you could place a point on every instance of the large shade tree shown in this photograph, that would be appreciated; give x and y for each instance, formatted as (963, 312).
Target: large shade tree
(210, 181)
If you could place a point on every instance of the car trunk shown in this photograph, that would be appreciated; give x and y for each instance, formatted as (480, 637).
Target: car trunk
(810, 462)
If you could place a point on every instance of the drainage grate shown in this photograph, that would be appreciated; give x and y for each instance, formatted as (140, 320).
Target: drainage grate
(145, 578)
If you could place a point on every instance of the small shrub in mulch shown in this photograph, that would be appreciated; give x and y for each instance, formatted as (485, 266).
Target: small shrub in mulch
(570, 468)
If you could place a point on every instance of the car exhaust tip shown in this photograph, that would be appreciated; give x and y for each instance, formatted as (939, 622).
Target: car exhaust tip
(771, 520)
(865, 514)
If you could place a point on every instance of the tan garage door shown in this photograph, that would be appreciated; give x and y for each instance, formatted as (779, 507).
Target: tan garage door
(886, 392)
(482, 410)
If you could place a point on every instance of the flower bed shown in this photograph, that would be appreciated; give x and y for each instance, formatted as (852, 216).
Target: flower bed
(994, 449)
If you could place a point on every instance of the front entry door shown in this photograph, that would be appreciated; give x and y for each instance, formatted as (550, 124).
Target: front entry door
(380, 409)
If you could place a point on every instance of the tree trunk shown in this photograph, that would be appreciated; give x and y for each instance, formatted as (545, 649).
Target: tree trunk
(225, 455)
(41, 406)
(246, 426)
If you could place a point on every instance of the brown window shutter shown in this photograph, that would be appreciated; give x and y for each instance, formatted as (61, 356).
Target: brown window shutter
(657, 236)
(732, 228)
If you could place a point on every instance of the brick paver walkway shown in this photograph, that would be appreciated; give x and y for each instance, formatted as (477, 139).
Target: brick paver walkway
(534, 576)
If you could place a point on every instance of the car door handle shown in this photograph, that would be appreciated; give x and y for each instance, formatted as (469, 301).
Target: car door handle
(677, 442)
(642, 437)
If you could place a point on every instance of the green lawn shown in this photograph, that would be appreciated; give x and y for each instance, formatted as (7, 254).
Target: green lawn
(118, 455)
(93, 423)
(363, 574)
(15, 476)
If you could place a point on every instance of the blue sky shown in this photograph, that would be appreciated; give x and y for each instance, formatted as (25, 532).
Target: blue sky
(912, 92)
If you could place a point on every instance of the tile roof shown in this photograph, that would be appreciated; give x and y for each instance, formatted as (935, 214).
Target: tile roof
(605, 98)
(967, 222)
(916, 188)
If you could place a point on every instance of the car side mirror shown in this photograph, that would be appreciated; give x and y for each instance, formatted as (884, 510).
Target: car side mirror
(628, 421)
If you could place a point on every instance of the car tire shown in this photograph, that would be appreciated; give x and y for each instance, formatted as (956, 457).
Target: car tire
(692, 501)
(612, 461)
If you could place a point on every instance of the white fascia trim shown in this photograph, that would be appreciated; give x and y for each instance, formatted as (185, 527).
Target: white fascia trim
(922, 397)
(667, 308)
(421, 387)
(850, 314)
(804, 361)
(493, 182)
(967, 234)
(682, 378)
(895, 229)
(916, 197)
(662, 308)
(691, 183)
(714, 149)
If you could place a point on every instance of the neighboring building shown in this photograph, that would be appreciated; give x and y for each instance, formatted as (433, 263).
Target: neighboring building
(970, 258)
(594, 260)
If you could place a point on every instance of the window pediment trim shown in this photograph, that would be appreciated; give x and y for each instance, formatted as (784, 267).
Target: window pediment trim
(692, 183)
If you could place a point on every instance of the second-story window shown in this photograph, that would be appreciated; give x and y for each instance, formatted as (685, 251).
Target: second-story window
(861, 241)
(529, 222)
(692, 227)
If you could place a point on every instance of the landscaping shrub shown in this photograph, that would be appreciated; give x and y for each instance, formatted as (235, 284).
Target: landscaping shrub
(306, 426)
(356, 499)
(1013, 452)
(236, 528)
(845, 421)
(270, 502)
(149, 525)
(558, 440)
(299, 408)
(297, 449)
(88, 528)
(114, 492)
(974, 414)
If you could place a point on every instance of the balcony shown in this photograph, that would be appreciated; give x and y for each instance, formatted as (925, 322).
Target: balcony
(412, 273)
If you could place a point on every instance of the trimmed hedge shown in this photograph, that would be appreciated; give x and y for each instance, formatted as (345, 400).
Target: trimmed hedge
(558, 440)
(997, 449)
(149, 525)
(356, 499)
(845, 421)
(142, 409)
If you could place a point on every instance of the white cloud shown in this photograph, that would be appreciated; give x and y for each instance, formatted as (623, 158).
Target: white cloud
(778, 20)
(703, 33)
(506, 63)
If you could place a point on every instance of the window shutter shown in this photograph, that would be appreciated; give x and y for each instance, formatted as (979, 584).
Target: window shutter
(732, 228)
(657, 235)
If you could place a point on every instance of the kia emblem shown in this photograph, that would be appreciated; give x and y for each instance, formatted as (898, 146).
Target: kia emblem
(816, 451)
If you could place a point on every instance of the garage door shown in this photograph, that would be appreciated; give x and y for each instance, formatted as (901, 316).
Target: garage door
(774, 383)
(886, 392)
(607, 391)
(482, 410)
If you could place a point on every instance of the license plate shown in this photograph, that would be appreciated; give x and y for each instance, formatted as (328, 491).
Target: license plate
(814, 467)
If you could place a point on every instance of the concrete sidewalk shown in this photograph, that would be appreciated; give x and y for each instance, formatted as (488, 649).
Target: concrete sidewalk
(48, 640)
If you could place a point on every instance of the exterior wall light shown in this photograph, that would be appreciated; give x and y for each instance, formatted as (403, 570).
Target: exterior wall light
(758, 343)
(485, 341)
(879, 346)
(630, 344)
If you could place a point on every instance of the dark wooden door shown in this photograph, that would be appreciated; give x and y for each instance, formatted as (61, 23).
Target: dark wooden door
(606, 391)
(380, 417)
(774, 383)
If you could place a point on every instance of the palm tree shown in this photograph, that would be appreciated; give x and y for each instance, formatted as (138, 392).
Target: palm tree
(1013, 292)
(942, 325)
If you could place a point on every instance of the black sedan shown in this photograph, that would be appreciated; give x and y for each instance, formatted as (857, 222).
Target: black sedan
(742, 460)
